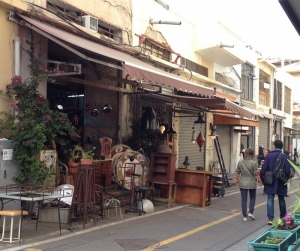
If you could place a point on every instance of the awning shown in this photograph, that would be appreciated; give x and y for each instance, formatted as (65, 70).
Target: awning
(213, 104)
(135, 68)
(260, 114)
(233, 121)
(292, 129)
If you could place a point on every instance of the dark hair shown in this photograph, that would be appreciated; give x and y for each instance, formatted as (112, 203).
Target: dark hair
(278, 144)
(249, 152)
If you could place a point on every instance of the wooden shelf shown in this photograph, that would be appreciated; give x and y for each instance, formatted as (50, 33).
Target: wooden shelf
(162, 167)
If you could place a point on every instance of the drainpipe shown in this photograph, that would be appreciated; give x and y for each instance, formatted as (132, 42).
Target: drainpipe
(17, 55)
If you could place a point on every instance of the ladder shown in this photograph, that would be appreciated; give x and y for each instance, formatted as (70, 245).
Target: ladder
(221, 161)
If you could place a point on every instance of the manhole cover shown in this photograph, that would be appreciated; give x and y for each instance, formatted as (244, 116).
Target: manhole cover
(137, 244)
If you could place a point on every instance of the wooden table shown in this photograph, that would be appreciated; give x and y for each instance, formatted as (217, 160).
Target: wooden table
(194, 186)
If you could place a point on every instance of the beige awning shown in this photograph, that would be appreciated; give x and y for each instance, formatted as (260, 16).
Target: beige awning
(131, 66)
(214, 103)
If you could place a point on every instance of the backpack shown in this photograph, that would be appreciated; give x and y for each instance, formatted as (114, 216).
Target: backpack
(278, 170)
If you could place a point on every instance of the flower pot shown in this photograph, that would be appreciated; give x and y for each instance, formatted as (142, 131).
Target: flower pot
(86, 161)
(73, 167)
(289, 239)
(297, 217)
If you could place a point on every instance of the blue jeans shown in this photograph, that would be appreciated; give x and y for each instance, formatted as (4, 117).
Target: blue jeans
(270, 206)
(244, 195)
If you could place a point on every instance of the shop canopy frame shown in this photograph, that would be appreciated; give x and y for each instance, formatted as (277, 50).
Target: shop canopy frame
(133, 68)
(138, 70)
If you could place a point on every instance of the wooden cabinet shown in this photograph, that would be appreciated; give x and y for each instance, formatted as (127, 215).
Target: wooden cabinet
(194, 187)
(162, 167)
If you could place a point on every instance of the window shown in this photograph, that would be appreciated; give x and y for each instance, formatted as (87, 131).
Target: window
(152, 48)
(277, 99)
(247, 82)
(192, 66)
(264, 89)
(69, 12)
(287, 100)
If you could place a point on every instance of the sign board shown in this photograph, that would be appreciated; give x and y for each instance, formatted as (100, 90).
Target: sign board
(7, 154)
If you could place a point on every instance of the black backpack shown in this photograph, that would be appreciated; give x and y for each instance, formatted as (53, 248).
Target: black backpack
(278, 170)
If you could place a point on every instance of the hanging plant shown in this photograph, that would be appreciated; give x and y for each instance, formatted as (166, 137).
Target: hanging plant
(145, 139)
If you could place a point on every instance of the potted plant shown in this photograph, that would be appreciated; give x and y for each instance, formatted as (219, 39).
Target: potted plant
(296, 205)
(78, 154)
(74, 157)
(87, 157)
(286, 223)
(273, 240)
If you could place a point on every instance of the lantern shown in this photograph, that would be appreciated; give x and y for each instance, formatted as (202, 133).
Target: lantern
(200, 140)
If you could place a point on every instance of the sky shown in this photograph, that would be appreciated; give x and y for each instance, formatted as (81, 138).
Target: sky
(262, 24)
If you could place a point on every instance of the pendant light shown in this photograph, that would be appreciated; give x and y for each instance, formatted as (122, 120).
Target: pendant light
(193, 136)
(200, 140)
(200, 119)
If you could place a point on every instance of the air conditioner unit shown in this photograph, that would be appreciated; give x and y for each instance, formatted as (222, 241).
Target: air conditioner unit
(90, 22)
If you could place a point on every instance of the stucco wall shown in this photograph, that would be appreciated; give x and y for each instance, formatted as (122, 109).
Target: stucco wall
(179, 37)
(8, 31)
(120, 10)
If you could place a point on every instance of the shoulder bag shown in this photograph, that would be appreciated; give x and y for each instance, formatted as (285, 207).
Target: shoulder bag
(268, 178)
(248, 169)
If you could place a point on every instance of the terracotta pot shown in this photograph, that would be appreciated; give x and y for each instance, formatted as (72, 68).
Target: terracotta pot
(73, 167)
(86, 161)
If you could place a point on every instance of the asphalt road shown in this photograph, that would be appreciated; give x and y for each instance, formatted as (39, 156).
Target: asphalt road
(185, 227)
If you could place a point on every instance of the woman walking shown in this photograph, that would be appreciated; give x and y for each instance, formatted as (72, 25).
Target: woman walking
(246, 178)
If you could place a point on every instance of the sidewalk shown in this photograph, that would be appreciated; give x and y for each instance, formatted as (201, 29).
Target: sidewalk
(48, 230)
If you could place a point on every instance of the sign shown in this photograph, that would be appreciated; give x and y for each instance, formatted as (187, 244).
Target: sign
(7, 154)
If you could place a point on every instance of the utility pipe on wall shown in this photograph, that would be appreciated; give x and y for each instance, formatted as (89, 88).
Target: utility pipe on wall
(17, 55)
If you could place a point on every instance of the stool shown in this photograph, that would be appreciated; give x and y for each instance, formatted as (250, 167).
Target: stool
(12, 214)
(113, 203)
(170, 195)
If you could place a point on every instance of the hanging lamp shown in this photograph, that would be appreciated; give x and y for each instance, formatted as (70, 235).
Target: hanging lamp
(193, 136)
(200, 140)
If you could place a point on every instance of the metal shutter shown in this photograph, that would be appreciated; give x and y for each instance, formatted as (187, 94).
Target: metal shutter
(263, 137)
(185, 145)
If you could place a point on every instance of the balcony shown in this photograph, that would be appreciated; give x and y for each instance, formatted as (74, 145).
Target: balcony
(218, 44)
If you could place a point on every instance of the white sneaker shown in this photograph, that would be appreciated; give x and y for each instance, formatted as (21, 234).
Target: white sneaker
(251, 216)
(245, 219)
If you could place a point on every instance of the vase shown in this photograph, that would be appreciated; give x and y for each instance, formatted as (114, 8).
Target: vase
(289, 239)
(86, 161)
(73, 167)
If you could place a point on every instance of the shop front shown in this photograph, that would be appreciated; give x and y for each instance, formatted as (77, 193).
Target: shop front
(110, 89)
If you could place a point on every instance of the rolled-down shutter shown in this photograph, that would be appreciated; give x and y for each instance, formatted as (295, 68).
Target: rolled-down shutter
(263, 137)
(185, 145)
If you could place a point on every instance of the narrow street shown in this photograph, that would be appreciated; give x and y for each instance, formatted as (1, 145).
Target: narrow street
(184, 227)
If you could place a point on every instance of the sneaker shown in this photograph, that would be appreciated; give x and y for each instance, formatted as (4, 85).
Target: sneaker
(245, 219)
(270, 222)
(251, 216)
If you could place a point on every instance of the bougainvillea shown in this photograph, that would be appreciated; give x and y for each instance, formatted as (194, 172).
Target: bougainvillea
(35, 127)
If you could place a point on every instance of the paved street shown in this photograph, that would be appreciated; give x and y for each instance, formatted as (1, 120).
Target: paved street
(184, 227)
